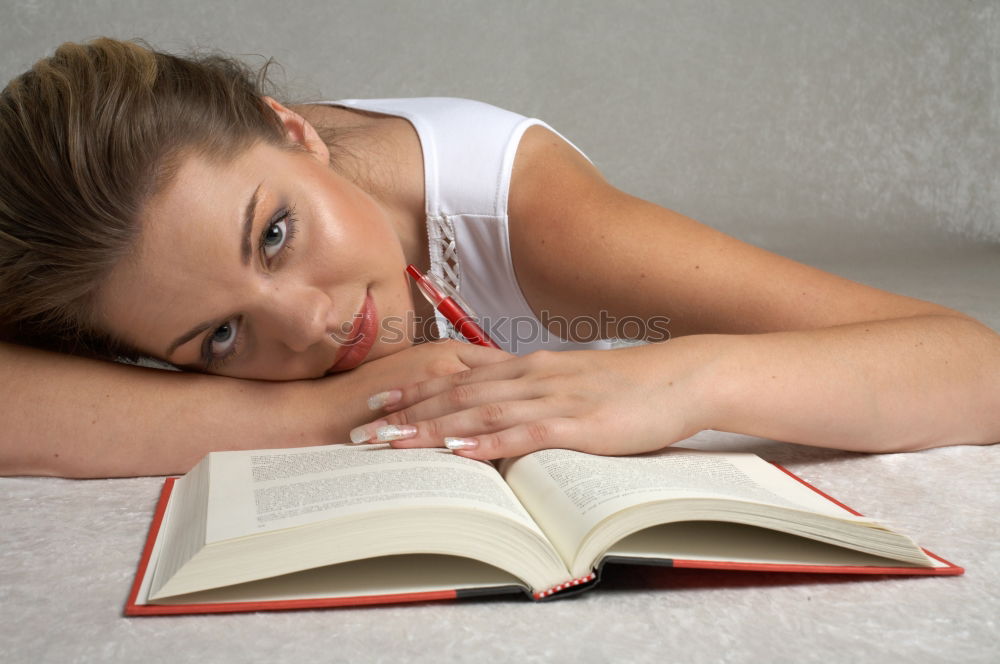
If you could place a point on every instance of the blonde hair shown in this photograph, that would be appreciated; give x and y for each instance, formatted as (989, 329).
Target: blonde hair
(86, 137)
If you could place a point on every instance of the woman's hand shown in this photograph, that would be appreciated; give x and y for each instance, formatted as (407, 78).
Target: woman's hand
(333, 395)
(622, 401)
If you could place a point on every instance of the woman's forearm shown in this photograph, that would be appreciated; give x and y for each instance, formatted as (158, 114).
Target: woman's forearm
(879, 386)
(75, 417)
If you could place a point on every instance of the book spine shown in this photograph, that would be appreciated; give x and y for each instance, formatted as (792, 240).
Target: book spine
(564, 586)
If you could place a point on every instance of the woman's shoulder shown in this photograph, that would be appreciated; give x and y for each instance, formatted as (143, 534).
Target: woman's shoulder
(380, 153)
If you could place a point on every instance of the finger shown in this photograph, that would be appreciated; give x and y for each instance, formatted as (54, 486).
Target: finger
(487, 418)
(499, 367)
(517, 440)
(473, 355)
(487, 397)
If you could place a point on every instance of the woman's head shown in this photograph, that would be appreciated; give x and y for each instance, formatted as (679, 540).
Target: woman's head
(86, 136)
(126, 176)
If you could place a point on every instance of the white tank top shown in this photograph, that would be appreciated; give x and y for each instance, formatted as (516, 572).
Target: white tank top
(468, 152)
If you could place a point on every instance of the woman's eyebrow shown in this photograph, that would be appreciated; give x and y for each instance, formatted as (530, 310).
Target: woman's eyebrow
(188, 336)
(248, 217)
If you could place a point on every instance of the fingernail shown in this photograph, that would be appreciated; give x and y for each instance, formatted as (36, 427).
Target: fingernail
(383, 399)
(360, 435)
(363, 433)
(395, 432)
(461, 443)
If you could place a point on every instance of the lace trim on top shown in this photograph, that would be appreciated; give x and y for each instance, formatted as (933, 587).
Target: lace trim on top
(444, 264)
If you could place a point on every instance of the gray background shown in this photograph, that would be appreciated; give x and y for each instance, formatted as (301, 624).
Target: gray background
(793, 124)
(857, 135)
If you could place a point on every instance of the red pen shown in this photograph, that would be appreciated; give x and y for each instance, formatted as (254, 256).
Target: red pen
(448, 303)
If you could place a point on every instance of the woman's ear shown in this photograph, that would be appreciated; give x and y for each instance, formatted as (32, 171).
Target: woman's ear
(298, 130)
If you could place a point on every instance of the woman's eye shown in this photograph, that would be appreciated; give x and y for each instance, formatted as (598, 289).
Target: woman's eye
(223, 338)
(274, 238)
(277, 235)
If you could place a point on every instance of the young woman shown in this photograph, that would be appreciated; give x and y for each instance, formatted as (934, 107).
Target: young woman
(153, 206)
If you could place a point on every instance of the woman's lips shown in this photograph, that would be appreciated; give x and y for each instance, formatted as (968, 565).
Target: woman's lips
(362, 337)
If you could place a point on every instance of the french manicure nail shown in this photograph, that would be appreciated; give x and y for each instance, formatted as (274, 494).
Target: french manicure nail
(363, 434)
(395, 432)
(383, 399)
(360, 435)
(461, 443)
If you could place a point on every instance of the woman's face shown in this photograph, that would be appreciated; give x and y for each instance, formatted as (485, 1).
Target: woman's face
(271, 266)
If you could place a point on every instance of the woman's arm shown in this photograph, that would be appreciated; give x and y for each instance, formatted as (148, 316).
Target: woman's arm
(883, 386)
(879, 386)
(761, 344)
(75, 417)
(854, 367)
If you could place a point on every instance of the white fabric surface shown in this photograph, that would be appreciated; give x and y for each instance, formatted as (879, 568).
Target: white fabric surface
(68, 552)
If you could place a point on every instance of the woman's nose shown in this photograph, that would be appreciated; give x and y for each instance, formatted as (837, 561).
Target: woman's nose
(303, 319)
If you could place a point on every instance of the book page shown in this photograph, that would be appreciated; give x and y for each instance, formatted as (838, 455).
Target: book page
(568, 493)
(262, 490)
(712, 541)
(386, 575)
(184, 524)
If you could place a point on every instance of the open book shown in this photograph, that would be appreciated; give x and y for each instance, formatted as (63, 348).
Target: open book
(326, 526)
